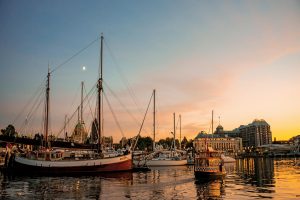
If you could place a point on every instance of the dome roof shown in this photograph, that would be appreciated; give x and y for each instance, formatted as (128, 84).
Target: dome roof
(220, 127)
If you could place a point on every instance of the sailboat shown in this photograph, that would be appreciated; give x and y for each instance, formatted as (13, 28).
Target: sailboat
(162, 157)
(52, 161)
(172, 157)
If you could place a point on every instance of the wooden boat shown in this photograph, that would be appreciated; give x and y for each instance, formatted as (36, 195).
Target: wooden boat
(62, 162)
(208, 164)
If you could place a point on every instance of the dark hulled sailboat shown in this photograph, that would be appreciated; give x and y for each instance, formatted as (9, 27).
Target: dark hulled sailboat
(50, 161)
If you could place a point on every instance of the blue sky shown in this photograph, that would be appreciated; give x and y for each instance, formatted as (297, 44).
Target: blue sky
(240, 58)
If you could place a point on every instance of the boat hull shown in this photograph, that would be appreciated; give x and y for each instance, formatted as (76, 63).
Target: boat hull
(208, 175)
(74, 167)
(166, 162)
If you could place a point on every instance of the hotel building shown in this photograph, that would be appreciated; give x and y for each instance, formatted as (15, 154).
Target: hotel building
(217, 142)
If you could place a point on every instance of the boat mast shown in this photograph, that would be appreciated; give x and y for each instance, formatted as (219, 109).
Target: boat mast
(212, 122)
(81, 104)
(154, 119)
(47, 109)
(65, 124)
(81, 113)
(180, 132)
(174, 131)
(100, 90)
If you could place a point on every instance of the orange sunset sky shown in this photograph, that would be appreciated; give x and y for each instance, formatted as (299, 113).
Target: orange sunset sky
(238, 58)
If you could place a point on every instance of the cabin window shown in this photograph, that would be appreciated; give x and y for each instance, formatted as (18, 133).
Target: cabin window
(202, 162)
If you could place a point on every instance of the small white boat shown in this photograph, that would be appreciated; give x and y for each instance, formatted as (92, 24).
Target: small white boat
(227, 159)
(162, 158)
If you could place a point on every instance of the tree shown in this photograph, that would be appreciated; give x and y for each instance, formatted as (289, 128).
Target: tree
(184, 142)
(145, 143)
(189, 144)
(10, 131)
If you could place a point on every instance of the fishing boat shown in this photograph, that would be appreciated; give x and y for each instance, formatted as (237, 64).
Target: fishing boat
(51, 161)
(208, 164)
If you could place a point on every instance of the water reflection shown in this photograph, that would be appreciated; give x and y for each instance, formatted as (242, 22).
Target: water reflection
(257, 171)
(210, 189)
(251, 178)
(82, 187)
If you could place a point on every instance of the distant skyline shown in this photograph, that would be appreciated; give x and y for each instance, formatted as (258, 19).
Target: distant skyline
(238, 58)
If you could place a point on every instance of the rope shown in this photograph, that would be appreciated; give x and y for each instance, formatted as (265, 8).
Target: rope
(74, 55)
(137, 137)
(120, 102)
(40, 88)
(113, 114)
(124, 79)
(73, 114)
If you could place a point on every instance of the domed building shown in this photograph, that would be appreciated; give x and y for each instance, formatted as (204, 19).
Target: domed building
(219, 130)
(79, 135)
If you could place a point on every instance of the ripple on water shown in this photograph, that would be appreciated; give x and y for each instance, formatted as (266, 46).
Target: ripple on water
(250, 179)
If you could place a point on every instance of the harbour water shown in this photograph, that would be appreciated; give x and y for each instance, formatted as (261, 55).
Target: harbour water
(251, 178)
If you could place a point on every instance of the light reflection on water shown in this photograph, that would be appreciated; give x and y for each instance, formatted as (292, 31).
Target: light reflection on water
(246, 179)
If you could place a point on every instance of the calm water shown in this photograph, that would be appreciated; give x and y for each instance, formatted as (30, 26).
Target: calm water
(246, 179)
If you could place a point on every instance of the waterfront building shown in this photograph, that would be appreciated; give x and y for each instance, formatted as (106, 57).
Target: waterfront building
(220, 131)
(256, 133)
(218, 142)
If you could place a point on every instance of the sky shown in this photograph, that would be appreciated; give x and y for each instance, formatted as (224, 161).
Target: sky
(238, 58)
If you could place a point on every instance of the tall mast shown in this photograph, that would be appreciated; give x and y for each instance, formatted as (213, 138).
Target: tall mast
(81, 104)
(212, 122)
(174, 131)
(78, 115)
(154, 119)
(47, 109)
(100, 90)
(81, 113)
(65, 124)
(180, 132)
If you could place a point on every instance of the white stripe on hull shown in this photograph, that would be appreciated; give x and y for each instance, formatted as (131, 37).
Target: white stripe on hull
(166, 162)
(72, 163)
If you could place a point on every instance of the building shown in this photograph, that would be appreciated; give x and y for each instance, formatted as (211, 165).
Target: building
(79, 134)
(220, 131)
(256, 133)
(218, 142)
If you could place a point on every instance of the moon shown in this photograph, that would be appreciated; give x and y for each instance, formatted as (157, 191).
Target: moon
(83, 68)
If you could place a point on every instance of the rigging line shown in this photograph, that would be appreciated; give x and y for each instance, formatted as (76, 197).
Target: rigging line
(29, 101)
(114, 115)
(89, 104)
(34, 104)
(90, 96)
(137, 137)
(118, 99)
(68, 121)
(36, 100)
(123, 77)
(30, 116)
(73, 101)
(126, 109)
(74, 55)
